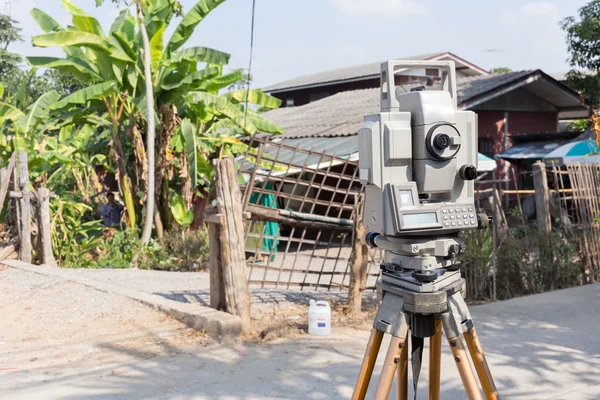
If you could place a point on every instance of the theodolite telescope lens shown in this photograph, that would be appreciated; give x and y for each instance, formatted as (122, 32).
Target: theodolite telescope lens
(441, 141)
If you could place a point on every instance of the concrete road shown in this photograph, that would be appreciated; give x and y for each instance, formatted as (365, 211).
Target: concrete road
(539, 347)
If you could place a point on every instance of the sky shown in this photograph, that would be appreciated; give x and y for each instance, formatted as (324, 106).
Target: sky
(294, 38)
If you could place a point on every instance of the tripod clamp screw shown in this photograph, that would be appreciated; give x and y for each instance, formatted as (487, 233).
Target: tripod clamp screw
(389, 267)
(425, 275)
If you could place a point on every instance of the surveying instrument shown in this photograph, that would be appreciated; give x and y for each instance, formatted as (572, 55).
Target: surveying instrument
(417, 160)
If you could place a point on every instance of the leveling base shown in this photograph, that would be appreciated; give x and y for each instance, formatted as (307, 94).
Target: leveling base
(424, 314)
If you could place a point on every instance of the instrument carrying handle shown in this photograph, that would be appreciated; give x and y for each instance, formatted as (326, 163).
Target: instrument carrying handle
(388, 84)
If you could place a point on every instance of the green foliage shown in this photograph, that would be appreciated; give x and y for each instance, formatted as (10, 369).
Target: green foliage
(579, 125)
(83, 111)
(75, 238)
(527, 263)
(500, 70)
(182, 251)
(583, 45)
(119, 249)
(182, 215)
(10, 33)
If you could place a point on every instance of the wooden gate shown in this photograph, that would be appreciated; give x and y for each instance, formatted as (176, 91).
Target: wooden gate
(302, 204)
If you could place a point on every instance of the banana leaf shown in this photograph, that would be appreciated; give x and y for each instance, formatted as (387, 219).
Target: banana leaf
(82, 20)
(84, 95)
(37, 110)
(189, 22)
(79, 68)
(255, 96)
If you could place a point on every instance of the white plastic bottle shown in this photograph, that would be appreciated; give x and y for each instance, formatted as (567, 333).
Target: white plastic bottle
(319, 318)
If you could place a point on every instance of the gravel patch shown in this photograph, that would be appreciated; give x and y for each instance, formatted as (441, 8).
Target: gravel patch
(49, 326)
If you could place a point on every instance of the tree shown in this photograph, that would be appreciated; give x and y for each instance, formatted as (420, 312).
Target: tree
(9, 62)
(63, 82)
(500, 70)
(583, 45)
(196, 118)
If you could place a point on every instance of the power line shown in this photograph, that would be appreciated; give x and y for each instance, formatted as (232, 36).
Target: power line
(250, 61)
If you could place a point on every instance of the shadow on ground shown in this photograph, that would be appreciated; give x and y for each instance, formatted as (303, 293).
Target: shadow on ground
(539, 347)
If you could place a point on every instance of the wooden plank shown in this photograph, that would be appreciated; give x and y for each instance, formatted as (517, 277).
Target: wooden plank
(358, 261)
(217, 291)
(45, 228)
(250, 184)
(25, 248)
(6, 174)
(233, 261)
(542, 205)
(271, 214)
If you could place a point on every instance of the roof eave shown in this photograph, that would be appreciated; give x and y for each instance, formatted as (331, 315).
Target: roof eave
(321, 84)
(525, 80)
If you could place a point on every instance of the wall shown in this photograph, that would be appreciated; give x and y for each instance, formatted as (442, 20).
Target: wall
(491, 128)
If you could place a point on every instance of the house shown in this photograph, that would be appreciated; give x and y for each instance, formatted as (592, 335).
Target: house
(507, 105)
(306, 89)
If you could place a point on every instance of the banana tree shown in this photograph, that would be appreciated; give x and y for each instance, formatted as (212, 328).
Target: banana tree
(191, 80)
(57, 145)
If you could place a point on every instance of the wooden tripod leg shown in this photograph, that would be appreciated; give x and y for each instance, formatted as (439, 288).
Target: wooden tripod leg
(481, 365)
(392, 359)
(435, 355)
(368, 363)
(464, 368)
(402, 383)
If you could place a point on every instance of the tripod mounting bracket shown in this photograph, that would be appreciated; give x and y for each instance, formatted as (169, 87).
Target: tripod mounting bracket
(423, 303)
(391, 318)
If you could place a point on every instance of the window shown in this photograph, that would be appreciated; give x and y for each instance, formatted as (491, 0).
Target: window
(432, 72)
(318, 96)
(289, 102)
(486, 147)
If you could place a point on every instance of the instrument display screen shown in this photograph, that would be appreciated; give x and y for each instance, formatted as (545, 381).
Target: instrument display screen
(420, 219)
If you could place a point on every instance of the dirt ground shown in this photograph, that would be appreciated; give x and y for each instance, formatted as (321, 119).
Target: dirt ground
(61, 340)
(49, 326)
(277, 312)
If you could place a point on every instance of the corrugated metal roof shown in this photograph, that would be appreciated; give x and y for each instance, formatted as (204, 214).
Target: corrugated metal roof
(342, 74)
(470, 87)
(339, 148)
(530, 150)
(343, 113)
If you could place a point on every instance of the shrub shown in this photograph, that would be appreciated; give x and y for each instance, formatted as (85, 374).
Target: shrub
(182, 251)
(119, 248)
(527, 262)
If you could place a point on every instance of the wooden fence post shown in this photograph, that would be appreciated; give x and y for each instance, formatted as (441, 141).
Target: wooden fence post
(5, 174)
(359, 260)
(542, 203)
(25, 247)
(217, 291)
(47, 257)
(232, 243)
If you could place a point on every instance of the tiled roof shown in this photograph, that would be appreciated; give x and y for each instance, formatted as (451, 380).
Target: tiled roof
(342, 114)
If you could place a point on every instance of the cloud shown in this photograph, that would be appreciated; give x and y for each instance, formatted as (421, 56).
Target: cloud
(382, 7)
(351, 50)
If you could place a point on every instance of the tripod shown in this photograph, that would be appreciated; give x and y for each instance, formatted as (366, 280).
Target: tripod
(423, 308)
